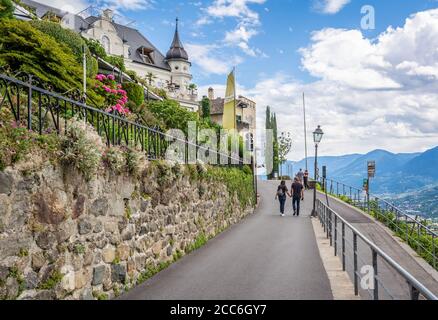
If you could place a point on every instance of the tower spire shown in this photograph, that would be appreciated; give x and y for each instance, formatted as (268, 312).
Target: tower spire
(176, 49)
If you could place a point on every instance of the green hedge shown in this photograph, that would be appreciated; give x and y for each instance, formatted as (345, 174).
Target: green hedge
(135, 92)
(25, 48)
(70, 38)
(6, 9)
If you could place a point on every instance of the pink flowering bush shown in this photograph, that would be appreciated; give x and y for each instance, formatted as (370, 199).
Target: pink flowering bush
(115, 97)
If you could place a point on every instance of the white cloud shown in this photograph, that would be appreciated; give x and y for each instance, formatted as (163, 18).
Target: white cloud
(80, 5)
(330, 6)
(209, 61)
(127, 4)
(369, 94)
(247, 22)
(66, 5)
(398, 58)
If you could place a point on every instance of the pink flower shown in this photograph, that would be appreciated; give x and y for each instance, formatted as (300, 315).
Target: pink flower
(111, 77)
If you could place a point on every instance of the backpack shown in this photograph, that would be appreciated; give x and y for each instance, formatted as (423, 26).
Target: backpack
(280, 192)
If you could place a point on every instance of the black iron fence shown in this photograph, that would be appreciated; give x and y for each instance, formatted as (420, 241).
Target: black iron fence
(417, 233)
(373, 272)
(38, 108)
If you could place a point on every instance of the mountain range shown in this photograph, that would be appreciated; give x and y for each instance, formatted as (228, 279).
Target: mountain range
(409, 180)
(395, 173)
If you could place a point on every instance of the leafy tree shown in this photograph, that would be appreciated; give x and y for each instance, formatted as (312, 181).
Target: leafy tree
(205, 108)
(172, 114)
(70, 38)
(192, 88)
(6, 9)
(284, 147)
(24, 48)
(150, 77)
(116, 61)
(271, 124)
(135, 92)
(96, 48)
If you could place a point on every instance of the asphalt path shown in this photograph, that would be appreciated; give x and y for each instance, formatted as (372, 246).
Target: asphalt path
(264, 257)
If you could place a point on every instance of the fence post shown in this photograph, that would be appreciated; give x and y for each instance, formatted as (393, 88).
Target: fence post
(336, 235)
(376, 282)
(415, 294)
(29, 104)
(343, 246)
(356, 279)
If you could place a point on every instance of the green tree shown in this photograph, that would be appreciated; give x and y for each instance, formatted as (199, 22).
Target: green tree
(192, 88)
(284, 147)
(206, 108)
(6, 9)
(150, 77)
(70, 38)
(271, 124)
(24, 48)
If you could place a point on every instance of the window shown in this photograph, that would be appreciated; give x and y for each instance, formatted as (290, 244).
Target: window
(106, 44)
(146, 54)
(176, 68)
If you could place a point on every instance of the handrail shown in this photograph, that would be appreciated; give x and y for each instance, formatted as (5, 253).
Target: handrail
(391, 205)
(412, 281)
(113, 117)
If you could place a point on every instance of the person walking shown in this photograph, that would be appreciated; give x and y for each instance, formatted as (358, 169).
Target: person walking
(300, 176)
(297, 191)
(282, 193)
(306, 179)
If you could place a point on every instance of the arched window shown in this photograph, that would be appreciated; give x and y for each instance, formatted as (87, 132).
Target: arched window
(106, 44)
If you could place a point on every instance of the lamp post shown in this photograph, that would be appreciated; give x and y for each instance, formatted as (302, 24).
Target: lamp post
(317, 137)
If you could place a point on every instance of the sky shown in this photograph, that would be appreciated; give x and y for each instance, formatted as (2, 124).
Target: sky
(368, 86)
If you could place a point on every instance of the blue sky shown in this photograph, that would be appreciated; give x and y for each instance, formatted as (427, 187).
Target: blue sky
(368, 89)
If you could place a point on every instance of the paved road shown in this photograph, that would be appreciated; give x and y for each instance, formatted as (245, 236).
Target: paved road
(264, 257)
(393, 285)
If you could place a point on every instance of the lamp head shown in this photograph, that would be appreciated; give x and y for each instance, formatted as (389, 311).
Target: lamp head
(317, 135)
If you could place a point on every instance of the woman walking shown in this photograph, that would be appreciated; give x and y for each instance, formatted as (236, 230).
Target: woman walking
(282, 193)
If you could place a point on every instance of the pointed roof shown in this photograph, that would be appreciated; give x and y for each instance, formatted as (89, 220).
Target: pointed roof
(176, 50)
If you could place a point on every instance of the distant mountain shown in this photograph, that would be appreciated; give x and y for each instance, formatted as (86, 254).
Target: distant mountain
(333, 163)
(425, 164)
(395, 173)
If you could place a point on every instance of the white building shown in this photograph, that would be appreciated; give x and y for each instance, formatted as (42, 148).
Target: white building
(171, 72)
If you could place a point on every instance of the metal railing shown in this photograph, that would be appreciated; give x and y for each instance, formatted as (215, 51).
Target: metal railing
(357, 251)
(42, 110)
(415, 232)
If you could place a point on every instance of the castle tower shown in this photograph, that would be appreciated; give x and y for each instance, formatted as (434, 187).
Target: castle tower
(178, 60)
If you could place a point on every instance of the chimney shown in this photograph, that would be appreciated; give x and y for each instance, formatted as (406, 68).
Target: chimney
(108, 14)
(211, 93)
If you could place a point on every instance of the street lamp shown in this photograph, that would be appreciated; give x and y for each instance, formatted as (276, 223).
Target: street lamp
(317, 137)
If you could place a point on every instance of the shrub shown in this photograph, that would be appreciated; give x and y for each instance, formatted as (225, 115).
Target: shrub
(95, 48)
(116, 61)
(24, 48)
(115, 96)
(6, 9)
(132, 160)
(70, 38)
(114, 159)
(135, 92)
(172, 114)
(82, 148)
(133, 75)
(146, 117)
(16, 142)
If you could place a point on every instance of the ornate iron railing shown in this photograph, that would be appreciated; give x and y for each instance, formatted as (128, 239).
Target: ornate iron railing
(372, 270)
(415, 232)
(37, 107)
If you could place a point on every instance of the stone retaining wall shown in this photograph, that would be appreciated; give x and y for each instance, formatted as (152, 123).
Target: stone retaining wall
(62, 237)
